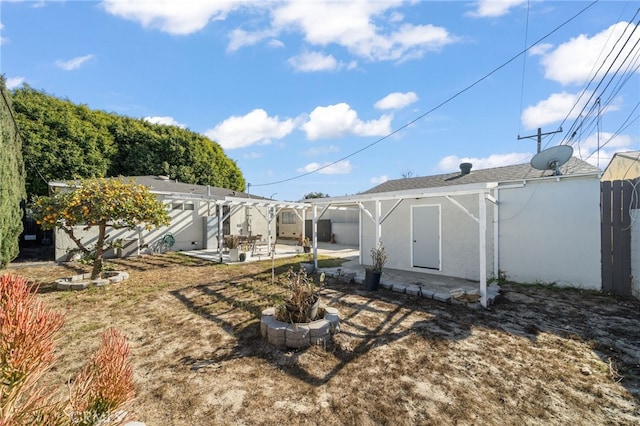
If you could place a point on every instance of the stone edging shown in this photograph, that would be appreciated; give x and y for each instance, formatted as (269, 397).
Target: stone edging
(83, 281)
(301, 335)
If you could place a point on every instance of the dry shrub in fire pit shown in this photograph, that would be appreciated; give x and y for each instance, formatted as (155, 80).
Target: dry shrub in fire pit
(303, 302)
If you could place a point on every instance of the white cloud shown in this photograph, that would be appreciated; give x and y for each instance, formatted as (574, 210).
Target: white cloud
(14, 82)
(74, 63)
(540, 49)
(167, 121)
(351, 25)
(275, 43)
(252, 155)
(255, 127)
(368, 29)
(240, 38)
(377, 180)
(576, 60)
(494, 8)
(316, 151)
(396, 100)
(2, 39)
(451, 163)
(334, 121)
(172, 16)
(553, 109)
(587, 149)
(339, 168)
(313, 61)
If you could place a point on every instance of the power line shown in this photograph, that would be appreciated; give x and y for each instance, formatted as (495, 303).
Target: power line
(620, 129)
(435, 108)
(574, 127)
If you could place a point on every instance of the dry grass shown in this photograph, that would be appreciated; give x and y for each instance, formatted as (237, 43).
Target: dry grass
(540, 356)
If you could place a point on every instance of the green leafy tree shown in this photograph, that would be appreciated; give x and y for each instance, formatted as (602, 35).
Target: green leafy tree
(152, 149)
(61, 140)
(315, 195)
(12, 180)
(64, 141)
(100, 203)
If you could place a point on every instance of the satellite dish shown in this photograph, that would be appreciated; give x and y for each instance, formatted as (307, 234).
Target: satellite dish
(552, 158)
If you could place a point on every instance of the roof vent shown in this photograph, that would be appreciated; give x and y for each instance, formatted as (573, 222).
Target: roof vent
(465, 168)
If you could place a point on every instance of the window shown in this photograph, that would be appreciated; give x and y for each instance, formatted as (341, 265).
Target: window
(288, 218)
(182, 206)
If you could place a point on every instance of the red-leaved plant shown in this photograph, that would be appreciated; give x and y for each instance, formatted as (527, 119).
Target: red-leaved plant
(28, 329)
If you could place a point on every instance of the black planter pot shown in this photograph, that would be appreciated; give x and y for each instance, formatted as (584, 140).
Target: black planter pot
(372, 280)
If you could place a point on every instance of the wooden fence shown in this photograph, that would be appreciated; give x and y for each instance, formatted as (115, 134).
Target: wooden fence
(618, 198)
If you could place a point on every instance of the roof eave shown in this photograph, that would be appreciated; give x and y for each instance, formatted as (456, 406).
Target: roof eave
(472, 188)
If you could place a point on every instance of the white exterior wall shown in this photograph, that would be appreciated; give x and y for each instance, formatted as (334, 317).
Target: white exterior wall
(187, 227)
(344, 224)
(549, 232)
(635, 253)
(459, 233)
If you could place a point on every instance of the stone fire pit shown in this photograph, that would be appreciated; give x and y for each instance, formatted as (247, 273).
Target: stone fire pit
(300, 335)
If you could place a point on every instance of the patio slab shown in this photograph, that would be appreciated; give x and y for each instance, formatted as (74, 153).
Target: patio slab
(418, 284)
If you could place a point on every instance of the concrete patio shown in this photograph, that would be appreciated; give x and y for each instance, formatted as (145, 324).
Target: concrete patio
(419, 284)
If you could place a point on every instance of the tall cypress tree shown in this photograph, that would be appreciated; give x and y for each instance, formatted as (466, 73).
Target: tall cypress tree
(12, 180)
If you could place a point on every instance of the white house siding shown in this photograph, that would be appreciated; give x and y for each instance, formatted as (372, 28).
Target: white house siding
(344, 224)
(187, 227)
(635, 253)
(549, 232)
(459, 236)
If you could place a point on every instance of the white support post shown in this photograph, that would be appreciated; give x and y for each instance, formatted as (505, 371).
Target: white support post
(315, 235)
(219, 211)
(482, 204)
(378, 222)
(304, 220)
(496, 235)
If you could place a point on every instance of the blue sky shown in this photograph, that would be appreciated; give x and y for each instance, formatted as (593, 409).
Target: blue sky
(365, 89)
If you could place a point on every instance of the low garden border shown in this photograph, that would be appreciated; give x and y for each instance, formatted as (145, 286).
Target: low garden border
(299, 335)
(84, 281)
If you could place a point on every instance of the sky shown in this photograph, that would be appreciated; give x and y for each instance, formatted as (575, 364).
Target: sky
(339, 96)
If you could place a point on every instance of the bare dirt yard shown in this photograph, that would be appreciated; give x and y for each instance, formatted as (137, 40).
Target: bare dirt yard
(538, 356)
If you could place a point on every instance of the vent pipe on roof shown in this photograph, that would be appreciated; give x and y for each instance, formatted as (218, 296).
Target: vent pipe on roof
(465, 168)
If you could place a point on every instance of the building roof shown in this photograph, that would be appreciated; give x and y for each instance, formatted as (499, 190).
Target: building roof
(574, 166)
(162, 184)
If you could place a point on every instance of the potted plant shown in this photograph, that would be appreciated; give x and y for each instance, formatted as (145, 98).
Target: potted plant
(374, 272)
(303, 302)
(231, 242)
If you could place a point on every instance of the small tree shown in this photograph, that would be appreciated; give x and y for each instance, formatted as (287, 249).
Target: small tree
(100, 203)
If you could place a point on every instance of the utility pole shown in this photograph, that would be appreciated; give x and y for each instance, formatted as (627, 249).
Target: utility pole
(539, 135)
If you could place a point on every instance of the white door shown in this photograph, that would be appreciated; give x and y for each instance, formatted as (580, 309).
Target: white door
(426, 236)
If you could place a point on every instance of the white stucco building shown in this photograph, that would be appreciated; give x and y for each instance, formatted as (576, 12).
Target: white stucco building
(527, 225)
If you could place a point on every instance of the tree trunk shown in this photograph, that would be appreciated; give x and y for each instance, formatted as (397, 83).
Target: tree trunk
(97, 262)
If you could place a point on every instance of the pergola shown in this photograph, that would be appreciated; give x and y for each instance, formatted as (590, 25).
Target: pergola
(482, 190)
